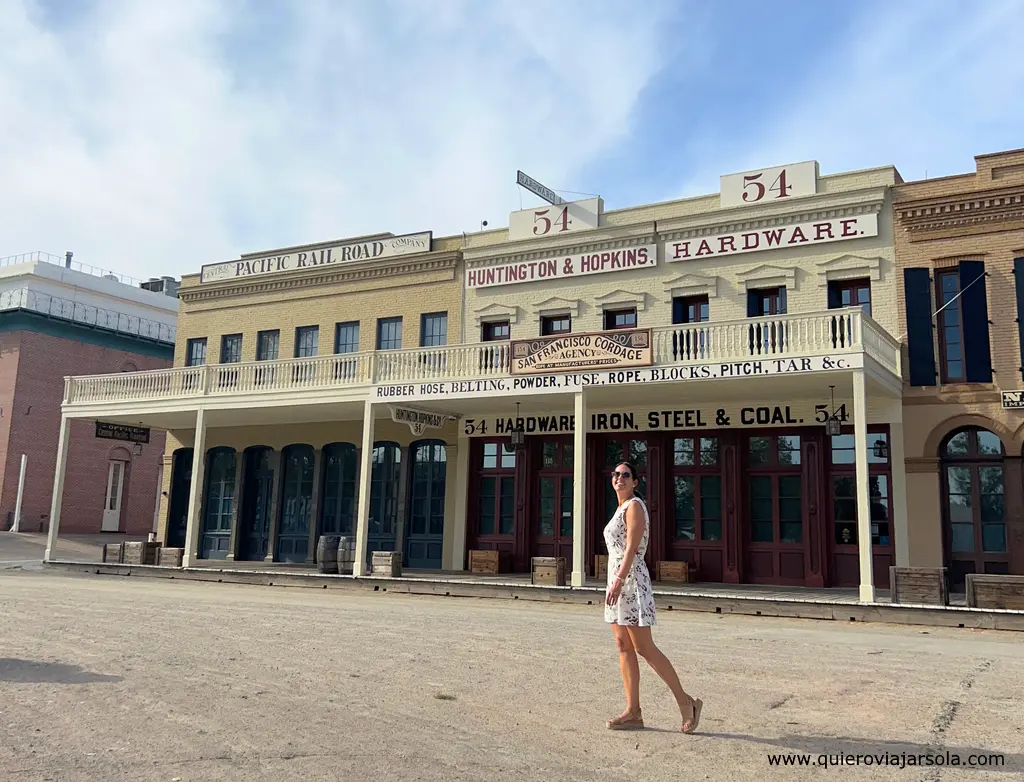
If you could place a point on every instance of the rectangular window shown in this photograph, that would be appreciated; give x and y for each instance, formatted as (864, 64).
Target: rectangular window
(850, 293)
(433, 329)
(768, 301)
(495, 331)
(306, 339)
(950, 323)
(231, 349)
(620, 319)
(389, 334)
(690, 309)
(346, 337)
(267, 344)
(195, 352)
(555, 324)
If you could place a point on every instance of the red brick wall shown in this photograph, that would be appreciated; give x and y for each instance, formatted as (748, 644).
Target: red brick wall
(34, 421)
(10, 345)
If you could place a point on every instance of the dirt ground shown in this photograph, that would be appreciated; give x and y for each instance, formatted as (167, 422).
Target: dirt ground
(110, 678)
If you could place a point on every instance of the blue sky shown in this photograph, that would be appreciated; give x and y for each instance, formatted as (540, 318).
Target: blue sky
(151, 138)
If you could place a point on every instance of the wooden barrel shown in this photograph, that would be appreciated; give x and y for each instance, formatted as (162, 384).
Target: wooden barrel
(327, 553)
(346, 554)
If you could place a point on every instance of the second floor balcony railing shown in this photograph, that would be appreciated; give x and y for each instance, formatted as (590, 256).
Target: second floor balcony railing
(835, 332)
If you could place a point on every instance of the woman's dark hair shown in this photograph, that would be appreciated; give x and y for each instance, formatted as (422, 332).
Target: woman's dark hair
(632, 475)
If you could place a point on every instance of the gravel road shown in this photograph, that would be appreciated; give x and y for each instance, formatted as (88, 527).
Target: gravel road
(108, 678)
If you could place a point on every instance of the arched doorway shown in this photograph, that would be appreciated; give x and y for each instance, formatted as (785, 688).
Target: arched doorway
(973, 483)
(337, 507)
(219, 505)
(424, 529)
(384, 488)
(296, 503)
(177, 504)
(257, 496)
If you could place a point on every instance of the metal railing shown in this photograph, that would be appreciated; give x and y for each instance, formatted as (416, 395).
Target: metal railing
(78, 266)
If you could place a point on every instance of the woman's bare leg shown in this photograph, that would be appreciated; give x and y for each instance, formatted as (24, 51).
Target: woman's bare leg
(629, 666)
(644, 645)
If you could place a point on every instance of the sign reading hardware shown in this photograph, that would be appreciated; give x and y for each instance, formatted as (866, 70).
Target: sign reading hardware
(418, 420)
(1013, 400)
(838, 229)
(348, 252)
(579, 351)
(625, 259)
(802, 413)
(576, 381)
(132, 434)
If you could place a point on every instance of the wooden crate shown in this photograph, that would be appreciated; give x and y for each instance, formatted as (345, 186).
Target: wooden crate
(481, 561)
(678, 572)
(601, 566)
(548, 570)
(986, 590)
(922, 585)
(170, 557)
(140, 552)
(386, 563)
(113, 553)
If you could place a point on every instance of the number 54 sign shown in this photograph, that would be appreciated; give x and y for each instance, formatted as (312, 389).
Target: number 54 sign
(769, 185)
(554, 221)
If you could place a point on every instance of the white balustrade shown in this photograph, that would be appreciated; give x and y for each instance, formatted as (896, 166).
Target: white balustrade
(782, 336)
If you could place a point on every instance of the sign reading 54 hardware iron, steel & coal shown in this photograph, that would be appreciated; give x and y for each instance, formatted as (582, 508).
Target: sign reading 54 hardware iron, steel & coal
(568, 352)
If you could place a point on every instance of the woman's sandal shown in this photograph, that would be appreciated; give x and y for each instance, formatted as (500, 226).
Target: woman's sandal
(691, 724)
(627, 722)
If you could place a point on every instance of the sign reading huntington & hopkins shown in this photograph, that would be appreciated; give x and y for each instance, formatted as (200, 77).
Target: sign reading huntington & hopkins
(570, 382)
(368, 249)
(566, 352)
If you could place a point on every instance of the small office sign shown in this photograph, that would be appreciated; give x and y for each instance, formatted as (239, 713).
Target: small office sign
(131, 434)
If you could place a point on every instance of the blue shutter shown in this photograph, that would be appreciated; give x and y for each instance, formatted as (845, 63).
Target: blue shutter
(753, 304)
(835, 301)
(974, 306)
(1018, 273)
(920, 345)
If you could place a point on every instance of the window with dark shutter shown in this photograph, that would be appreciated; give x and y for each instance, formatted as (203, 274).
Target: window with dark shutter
(1018, 274)
(974, 305)
(920, 348)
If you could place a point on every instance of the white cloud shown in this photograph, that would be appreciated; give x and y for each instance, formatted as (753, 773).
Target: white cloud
(922, 86)
(151, 138)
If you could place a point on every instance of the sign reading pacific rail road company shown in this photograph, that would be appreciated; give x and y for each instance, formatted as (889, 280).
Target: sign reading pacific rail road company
(569, 352)
(369, 249)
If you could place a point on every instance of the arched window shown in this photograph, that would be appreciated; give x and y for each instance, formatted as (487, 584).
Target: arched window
(296, 503)
(425, 517)
(337, 511)
(973, 505)
(219, 504)
(384, 483)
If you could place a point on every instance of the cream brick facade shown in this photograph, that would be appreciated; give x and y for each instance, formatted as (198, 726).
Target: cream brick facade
(939, 223)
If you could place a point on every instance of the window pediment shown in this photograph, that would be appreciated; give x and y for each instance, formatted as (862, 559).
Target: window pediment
(622, 298)
(691, 285)
(848, 267)
(556, 305)
(766, 275)
(493, 312)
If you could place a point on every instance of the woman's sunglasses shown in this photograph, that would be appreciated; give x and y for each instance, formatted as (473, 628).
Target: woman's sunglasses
(625, 474)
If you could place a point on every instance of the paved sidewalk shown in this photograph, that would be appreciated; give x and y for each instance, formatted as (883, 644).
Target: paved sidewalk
(135, 679)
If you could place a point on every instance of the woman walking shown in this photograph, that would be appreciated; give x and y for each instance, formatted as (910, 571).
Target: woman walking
(629, 604)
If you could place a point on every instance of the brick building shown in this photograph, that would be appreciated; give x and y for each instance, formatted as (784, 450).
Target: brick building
(960, 247)
(59, 318)
(473, 392)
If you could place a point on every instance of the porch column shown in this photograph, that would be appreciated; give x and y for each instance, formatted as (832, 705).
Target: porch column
(58, 488)
(579, 491)
(860, 439)
(314, 505)
(195, 495)
(402, 506)
(236, 505)
(365, 473)
(277, 470)
(900, 529)
(456, 491)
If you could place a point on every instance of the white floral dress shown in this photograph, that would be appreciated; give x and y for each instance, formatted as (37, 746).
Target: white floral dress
(635, 606)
